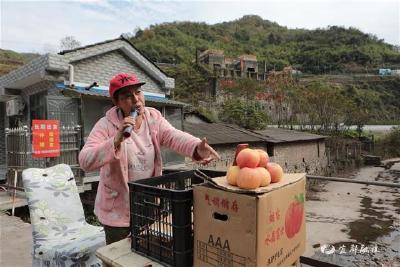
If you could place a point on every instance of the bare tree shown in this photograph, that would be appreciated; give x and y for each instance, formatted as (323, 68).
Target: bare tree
(69, 42)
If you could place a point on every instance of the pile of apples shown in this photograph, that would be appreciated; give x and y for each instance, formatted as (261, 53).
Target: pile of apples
(253, 170)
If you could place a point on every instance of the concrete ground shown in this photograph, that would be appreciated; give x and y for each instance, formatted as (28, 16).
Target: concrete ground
(6, 200)
(15, 242)
(343, 218)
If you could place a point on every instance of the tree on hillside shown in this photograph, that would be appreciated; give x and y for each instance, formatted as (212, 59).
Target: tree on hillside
(281, 85)
(358, 112)
(190, 84)
(69, 43)
(246, 115)
(245, 88)
(323, 104)
(137, 32)
(241, 106)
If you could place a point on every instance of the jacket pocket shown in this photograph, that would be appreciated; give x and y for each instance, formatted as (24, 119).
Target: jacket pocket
(110, 196)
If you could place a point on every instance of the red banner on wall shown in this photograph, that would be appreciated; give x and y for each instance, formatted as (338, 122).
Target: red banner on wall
(45, 138)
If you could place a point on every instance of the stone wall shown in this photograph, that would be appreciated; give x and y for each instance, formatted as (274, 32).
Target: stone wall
(309, 157)
(344, 156)
(293, 157)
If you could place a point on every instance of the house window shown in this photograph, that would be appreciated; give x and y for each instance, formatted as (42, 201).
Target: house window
(318, 148)
(38, 106)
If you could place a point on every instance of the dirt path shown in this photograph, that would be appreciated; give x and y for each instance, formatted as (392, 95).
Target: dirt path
(355, 224)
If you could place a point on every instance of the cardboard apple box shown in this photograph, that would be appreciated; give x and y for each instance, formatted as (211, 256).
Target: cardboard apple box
(265, 227)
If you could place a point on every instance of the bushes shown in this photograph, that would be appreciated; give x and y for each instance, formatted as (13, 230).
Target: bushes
(244, 114)
(389, 145)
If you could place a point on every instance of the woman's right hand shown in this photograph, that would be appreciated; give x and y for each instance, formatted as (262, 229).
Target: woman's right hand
(119, 137)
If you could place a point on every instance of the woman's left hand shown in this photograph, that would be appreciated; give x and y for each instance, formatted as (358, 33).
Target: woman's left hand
(205, 152)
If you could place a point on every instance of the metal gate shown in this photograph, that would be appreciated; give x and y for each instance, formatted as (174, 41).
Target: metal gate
(64, 109)
(19, 152)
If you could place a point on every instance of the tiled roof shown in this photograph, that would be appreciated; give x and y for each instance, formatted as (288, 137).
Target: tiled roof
(37, 66)
(279, 135)
(221, 133)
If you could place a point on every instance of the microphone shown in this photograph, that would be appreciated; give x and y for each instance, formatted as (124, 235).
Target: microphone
(128, 130)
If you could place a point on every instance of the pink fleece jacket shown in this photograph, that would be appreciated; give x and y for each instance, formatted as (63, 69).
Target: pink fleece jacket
(112, 199)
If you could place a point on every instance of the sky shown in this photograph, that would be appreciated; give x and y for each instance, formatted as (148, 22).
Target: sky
(38, 26)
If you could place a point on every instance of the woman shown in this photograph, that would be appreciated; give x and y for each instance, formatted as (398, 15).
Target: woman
(123, 159)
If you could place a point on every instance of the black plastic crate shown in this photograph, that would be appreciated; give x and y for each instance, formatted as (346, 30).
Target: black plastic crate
(162, 216)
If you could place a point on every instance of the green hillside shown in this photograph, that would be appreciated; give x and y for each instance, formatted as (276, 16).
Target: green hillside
(343, 60)
(10, 60)
(334, 49)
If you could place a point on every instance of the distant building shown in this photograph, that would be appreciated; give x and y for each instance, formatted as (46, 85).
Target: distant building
(242, 66)
(294, 151)
(228, 69)
(214, 58)
(248, 64)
